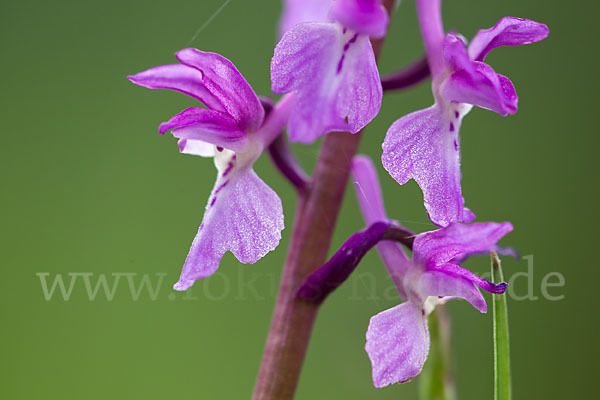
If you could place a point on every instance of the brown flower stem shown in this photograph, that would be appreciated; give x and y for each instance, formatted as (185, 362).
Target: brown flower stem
(317, 211)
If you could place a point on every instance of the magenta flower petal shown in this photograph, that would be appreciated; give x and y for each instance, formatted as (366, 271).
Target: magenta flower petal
(243, 216)
(482, 87)
(225, 82)
(177, 77)
(368, 190)
(455, 53)
(424, 146)
(370, 199)
(298, 11)
(200, 124)
(441, 283)
(436, 248)
(334, 76)
(367, 17)
(509, 31)
(503, 251)
(460, 272)
(397, 344)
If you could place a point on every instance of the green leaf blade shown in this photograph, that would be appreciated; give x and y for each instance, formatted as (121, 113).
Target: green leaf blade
(502, 376)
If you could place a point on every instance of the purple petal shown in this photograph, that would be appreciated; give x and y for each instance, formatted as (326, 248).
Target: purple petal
(298, 11)
(335, 77)
(225, 82)
(509, 31)
(455, 53)
(468, 216)
(200, 124)
(178, 77)
(441, 283)
(424, 146)
(367, 17)
(243, 216)
(397, 344)
(504, 251)
(435, 248)
(482, 87)
(459, 272)
(368, 193)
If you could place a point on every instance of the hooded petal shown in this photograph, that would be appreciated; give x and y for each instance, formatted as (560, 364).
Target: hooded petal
(482, 87)
(509, 31)
(455, 53)
(243, 216)
(200, 124)
(227, 84)
(298, 11)
(335, 77)
(424, 146)
(441, 283)
(367, 17)
(370, 199)
(178, 77)
(435, 248)
(397, 344)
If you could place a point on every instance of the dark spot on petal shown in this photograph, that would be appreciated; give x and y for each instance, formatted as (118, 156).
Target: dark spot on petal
(456, 114)
(221, 187)
(346, 47)
(219, 148)
(422, 312)
(346, 119)
(340, 63)
(212, 202)
(228, 169)
(455, 145)
(451, 127)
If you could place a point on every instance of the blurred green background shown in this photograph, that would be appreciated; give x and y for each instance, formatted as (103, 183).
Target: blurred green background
(89, 186)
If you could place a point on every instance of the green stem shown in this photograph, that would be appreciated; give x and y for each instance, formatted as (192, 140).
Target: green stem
(435, 381)
(502, 381)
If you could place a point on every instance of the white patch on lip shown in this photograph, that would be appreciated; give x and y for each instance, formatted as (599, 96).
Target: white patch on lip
(196, 147)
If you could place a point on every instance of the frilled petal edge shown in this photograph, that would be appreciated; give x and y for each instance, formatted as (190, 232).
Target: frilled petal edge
(334, 75)
(397, 344)
(424, 146)
(243, 215)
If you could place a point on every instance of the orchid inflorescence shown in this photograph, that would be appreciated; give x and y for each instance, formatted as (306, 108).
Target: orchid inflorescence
(325, 66)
